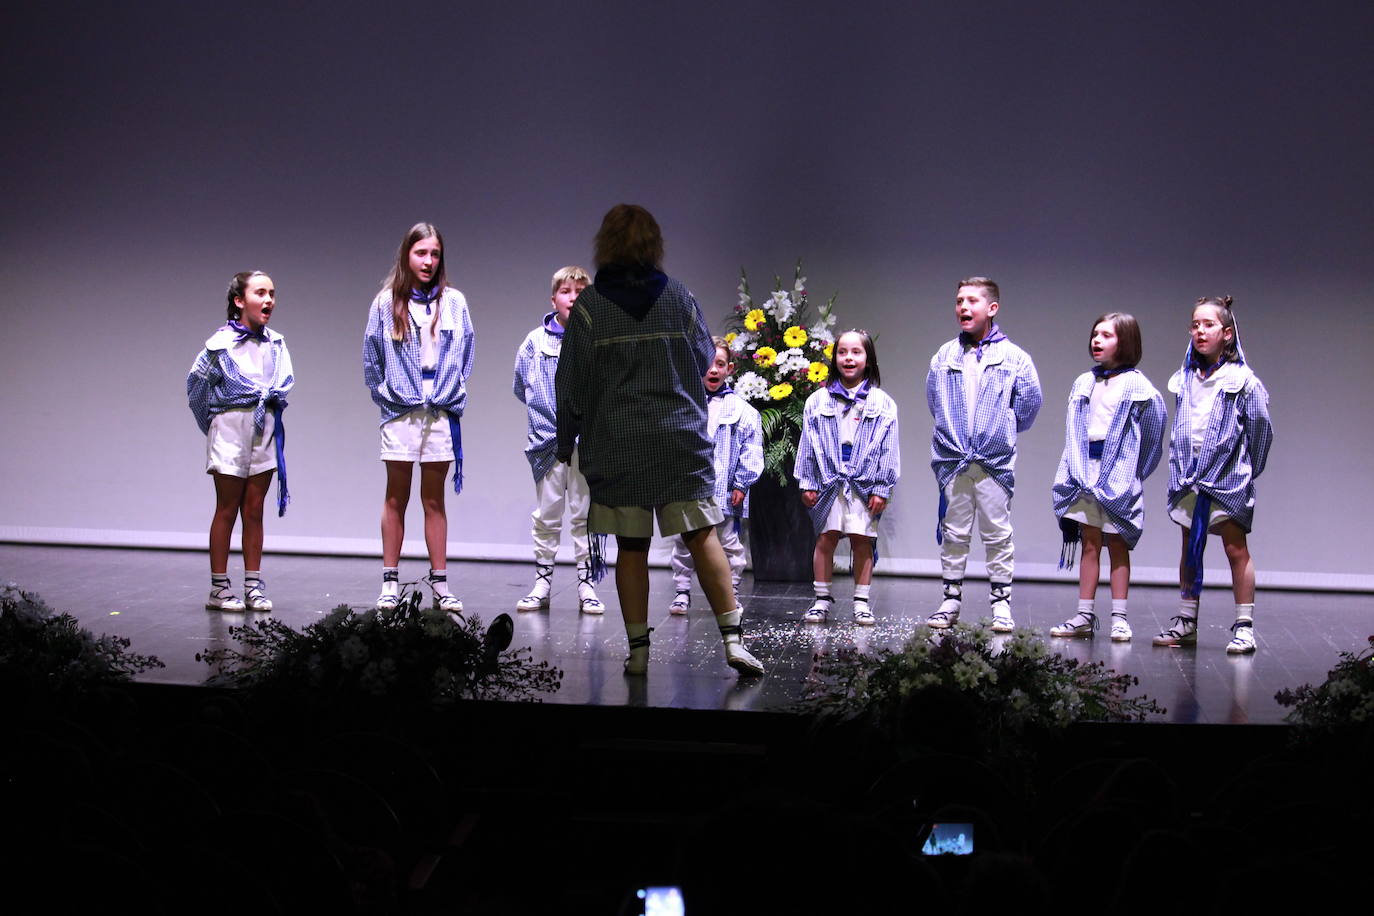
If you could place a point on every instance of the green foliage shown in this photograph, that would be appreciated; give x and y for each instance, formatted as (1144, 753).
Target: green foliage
(1012, 690)
(777, 458)
(54, 657)
(408, 655)
(1345, 698)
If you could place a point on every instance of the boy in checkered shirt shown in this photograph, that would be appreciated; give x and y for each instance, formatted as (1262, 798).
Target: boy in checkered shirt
(983, 391)
(556, 485)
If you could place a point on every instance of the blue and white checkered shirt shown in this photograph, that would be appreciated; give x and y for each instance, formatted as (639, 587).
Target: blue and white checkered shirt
(391, 368)
(1236, 446)
(536, 363)
(632, 390)
(876, 459)
(738, 457)
(1008, 400)
(1130, 452)
(215, 383)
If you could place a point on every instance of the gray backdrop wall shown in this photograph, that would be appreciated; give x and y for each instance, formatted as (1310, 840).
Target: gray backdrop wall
(1089, 156)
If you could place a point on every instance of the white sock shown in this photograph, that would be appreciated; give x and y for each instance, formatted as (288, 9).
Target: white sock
(391, 584)
(727, 620)
(1085, 613)
(1118, 607)
(1246, 610)
(861, 592)
(585, 588)
(822, 589)
(438, 580)
(1187, 607)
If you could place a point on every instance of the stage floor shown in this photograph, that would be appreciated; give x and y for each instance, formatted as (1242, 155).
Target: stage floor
(156, 598)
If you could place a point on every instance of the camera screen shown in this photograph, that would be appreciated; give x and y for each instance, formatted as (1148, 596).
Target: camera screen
(949, 840)
(663, 901)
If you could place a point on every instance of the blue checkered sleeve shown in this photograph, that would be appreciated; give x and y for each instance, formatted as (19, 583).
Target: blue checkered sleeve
(201, 381)
(750, 465)
(1259, 430)
(534, 385)
(1153, 419)
(1026, 397)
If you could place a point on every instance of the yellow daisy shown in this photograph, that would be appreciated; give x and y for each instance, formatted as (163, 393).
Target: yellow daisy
(765, 356)
(794, 336)
(730, 339)
(829, 350)
(754, 320)
(780, 391)
(818, 372)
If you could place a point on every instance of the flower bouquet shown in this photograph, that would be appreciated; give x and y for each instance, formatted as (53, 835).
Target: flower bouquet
(783, 356)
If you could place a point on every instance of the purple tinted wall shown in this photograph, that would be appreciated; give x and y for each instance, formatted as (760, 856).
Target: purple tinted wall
(1090, 157)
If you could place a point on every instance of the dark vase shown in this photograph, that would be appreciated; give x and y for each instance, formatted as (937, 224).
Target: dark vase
(780, 535)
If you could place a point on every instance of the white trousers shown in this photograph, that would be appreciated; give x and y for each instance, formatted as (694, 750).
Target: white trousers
(976, 495)
(563, 487)
(684, 566)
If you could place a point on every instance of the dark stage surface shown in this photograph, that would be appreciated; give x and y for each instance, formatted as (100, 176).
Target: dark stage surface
(156, 599)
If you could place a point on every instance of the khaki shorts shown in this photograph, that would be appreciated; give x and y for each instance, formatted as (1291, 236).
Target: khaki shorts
(1088, 511)
(638, 521)
(1182, 514)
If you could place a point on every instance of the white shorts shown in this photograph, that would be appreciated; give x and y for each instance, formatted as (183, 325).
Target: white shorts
(1088, 511)
(417, 436)
(849, 515)
(638, 521)
(1182, 513)
(232, 447)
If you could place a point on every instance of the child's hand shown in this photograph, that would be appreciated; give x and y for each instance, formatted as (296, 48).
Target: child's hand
(876, 504)
(809, 498)
(736, 498)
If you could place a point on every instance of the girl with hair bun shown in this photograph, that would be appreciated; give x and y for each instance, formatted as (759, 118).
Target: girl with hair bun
(237, 391)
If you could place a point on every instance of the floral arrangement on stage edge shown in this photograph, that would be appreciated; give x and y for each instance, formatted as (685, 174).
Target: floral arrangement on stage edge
(1010, 690)
(46, 655)
(405, 656)
(1345, 698)
(780, 360)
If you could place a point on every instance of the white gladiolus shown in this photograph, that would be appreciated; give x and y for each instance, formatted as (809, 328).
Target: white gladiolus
(781, 306)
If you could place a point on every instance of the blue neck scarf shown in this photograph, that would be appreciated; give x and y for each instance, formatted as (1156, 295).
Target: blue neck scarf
(427, 296)
(245, 332)
(1196, 365)
(994, 335)
(552, 326)
(1102, 373)
(836, 388)
(720, 392)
